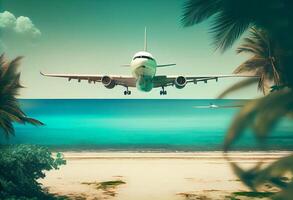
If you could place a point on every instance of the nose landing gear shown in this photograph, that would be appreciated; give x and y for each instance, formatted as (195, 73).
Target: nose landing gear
(127, 92)
(163, 91)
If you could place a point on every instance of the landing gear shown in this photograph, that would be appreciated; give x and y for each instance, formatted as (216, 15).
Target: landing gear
(163, 91)
(127, 92)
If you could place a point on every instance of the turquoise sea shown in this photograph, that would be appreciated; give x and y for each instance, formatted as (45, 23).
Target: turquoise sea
(137, 125)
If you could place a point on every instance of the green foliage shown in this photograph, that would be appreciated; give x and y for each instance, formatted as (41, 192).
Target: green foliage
(9, 87)
(21, 166)
(254, 194)
(263, 62)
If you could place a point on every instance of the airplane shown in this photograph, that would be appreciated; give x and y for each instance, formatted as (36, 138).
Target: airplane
(143, 67)
(214, 106)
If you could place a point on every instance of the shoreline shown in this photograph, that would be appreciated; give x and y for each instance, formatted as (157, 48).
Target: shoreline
(173, 155)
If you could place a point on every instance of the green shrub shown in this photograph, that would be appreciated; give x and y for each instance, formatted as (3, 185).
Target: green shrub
(20, 168)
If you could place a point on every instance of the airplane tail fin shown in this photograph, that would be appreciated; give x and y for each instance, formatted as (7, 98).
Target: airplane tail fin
(145, 39)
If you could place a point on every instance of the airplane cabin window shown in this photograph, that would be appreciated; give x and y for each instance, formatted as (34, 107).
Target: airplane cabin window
(147, 57)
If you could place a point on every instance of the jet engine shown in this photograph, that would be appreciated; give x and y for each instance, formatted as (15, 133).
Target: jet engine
(180, 82)
(108, 82)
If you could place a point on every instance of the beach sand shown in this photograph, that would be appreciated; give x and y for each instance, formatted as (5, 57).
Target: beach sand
(163, 176)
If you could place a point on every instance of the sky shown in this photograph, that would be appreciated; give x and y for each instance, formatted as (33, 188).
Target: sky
(98, 36)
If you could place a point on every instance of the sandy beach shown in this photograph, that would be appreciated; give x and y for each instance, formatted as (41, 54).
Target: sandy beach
(164, 176)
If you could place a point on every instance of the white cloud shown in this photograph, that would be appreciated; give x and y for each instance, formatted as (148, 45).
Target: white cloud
(25, 25)
(7, 20)
(21, 25)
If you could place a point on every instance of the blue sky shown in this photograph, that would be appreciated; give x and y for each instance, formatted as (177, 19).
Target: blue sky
(97, 36)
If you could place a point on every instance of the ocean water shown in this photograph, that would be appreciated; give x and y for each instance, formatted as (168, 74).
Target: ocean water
(138, 125)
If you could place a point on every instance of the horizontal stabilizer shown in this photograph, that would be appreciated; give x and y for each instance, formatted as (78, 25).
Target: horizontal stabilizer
(166, 65)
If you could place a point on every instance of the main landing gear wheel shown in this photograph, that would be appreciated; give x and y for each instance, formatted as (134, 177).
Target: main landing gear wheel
(127, 92)
(163, 91)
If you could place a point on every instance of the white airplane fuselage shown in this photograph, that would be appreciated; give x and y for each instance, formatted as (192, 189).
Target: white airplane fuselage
(143, 67)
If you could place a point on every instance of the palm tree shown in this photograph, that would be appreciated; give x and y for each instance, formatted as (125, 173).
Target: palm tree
(230, 19)
(263, 60)
(10, 110)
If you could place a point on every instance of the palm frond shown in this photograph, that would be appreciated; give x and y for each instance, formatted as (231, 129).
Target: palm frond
(2, 60)
(251, 65)
(273, 173)
(285, 194)
(250, 49)
(32, 121)
(229, 19)
(266, 110)
(10, 116)
(256, 43)
(196, 11)
(263, 60)
(10, 110)
(9, 75)
(6, 126)
(247, 176)
(226, 30)
(247, 49)
(240, 123)
(271, 110)
(261, 83)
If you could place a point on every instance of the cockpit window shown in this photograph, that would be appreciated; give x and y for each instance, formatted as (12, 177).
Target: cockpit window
(147, 57)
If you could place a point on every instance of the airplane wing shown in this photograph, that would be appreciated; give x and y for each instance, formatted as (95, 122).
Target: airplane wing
(213, 107)
(126, 81)
(181, 81)
(201, 106)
